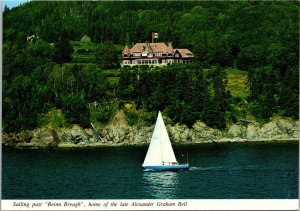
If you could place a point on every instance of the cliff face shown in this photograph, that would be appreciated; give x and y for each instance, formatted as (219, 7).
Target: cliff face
(118, 132)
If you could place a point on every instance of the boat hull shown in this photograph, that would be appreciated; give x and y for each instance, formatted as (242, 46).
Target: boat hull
(167, 167)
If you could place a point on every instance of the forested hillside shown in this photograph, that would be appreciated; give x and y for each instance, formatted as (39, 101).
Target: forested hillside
(55, 79)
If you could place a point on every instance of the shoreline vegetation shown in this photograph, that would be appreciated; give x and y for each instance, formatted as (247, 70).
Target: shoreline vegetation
(64, 84)
(118, 133)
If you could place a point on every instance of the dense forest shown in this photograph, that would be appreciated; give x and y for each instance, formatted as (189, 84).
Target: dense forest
(45, 83)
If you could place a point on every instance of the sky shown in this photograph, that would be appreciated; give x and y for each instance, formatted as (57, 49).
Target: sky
(12, 3)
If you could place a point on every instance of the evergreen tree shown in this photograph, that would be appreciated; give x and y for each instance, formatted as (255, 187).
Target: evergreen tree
(107, 56)
(63, 53)
(75, 110)
(289, 93)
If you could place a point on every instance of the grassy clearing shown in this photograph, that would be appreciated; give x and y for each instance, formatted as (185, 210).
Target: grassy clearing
(237, 82)
(84, 52)
(112, 76)
(111, 73)
(113, 80)
(81, 58)
(90, 45)
(119, 47)
(84, 45)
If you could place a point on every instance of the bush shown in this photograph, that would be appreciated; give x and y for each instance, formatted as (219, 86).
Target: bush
(103, 111)
(54, 119)
(75, 110)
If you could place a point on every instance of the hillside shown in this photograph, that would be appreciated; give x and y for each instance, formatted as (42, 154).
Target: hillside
(84, 53)
(61, 63)
(241, 34)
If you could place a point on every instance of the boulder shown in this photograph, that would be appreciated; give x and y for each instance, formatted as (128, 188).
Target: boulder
(203, 133)
(237, 131)
(42, 138)
(119, 132)
(252, 132)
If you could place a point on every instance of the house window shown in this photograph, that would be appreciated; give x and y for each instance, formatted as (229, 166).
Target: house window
(136, 54)
(170, 61)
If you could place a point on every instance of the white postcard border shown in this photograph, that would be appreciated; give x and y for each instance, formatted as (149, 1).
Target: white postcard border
(152, 204)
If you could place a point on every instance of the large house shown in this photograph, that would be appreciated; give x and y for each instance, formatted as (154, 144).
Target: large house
(155, 54)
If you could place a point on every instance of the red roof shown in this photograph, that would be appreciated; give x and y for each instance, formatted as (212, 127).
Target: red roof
(125, 50)
(185, 52)
(156, 48)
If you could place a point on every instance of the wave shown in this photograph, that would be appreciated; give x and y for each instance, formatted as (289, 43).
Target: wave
(237, 168)
(210, 168)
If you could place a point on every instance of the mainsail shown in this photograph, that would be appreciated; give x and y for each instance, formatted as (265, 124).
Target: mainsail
(160, 150)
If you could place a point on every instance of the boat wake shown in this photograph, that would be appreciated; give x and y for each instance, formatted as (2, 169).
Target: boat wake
(150, 170)
(210, 168)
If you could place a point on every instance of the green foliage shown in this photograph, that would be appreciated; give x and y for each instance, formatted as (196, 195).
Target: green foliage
(289, 94)
(148, 117)
(84, 52)
(246, 34)
(53, 119)
(107, 56)
(102, 111)
(180, 90)
(237, 82)
(212, 115)
(261, 38)
(132, 118)
(264, 86)
(63, 51)
(75, 110)
(131, 113)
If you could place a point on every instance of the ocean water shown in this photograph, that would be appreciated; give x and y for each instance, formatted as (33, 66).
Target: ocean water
(218, 171)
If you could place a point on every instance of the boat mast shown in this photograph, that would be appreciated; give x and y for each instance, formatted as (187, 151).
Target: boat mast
(187, 157)
(161, 141)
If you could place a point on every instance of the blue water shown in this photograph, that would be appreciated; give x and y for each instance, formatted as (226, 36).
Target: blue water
(219, 171)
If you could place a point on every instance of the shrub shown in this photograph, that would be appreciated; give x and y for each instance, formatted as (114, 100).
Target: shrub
(54, 119)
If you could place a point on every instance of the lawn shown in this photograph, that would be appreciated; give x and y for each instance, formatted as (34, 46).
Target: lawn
(237, 82)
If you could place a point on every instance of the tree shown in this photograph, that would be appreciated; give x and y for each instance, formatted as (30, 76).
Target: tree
(107, 56)
(75, 110)
(289, 93)
(217, 103)
(63, 52)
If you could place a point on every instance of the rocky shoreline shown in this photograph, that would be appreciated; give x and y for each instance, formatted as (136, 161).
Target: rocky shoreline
(118, 133)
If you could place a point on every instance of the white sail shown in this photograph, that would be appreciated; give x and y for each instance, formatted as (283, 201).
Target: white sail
(160, 149)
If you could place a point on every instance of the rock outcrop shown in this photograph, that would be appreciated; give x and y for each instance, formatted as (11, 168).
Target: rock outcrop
(118, 132)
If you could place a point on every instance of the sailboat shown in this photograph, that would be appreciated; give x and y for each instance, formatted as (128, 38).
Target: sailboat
(160, 155)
